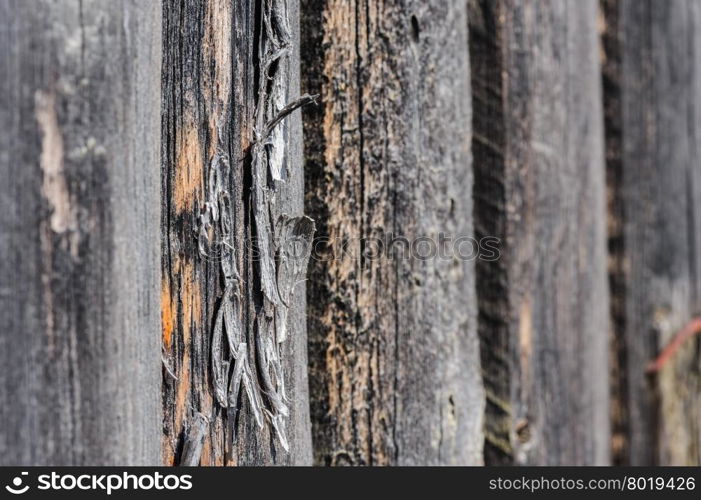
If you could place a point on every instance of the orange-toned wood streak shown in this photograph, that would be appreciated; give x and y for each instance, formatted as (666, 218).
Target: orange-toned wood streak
(210, 85)
(197, 106)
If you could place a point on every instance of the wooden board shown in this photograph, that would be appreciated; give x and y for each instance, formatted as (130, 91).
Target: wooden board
(394, 365)
(652, 52)
(79, 210)
(213, 55)
(539, 188)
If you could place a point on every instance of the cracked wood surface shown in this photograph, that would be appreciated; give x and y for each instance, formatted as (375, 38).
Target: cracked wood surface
(652, 55)
(539, 187)
(79, 210)
(394, 366)
(395, 341)
(229, 67)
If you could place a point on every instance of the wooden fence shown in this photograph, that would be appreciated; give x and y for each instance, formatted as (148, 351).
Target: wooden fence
(156, 169)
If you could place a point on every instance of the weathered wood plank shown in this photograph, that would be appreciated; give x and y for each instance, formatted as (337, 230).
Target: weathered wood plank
(79, 210)
(652, 55)
(539, 187)
(222, 198)
(394, 366)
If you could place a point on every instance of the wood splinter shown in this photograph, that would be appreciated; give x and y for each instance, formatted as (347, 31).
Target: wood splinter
(194, 441)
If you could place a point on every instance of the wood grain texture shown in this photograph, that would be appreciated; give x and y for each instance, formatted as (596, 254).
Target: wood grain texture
(539, 187)
(394, 365)
(652, 58)
(79, 210)
(213, 61)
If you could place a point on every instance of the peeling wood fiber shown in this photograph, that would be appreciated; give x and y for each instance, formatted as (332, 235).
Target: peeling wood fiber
(394, 363)
(539, 187)
(652, 56)
(79, 210)
(234, 332)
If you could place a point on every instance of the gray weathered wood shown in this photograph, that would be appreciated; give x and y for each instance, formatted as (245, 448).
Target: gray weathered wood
(79, 163)
(223, 199)
(652, 56)
(394, 366)
(539, 187)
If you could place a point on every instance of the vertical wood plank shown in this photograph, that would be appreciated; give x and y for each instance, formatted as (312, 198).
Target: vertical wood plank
(394, 365)
(539, 187)
(216, 103)
(79, 209)
(652, 55)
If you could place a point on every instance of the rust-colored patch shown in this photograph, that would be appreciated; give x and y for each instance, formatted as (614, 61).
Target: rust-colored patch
(167, 319)
(190, 311)
(189, 171)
